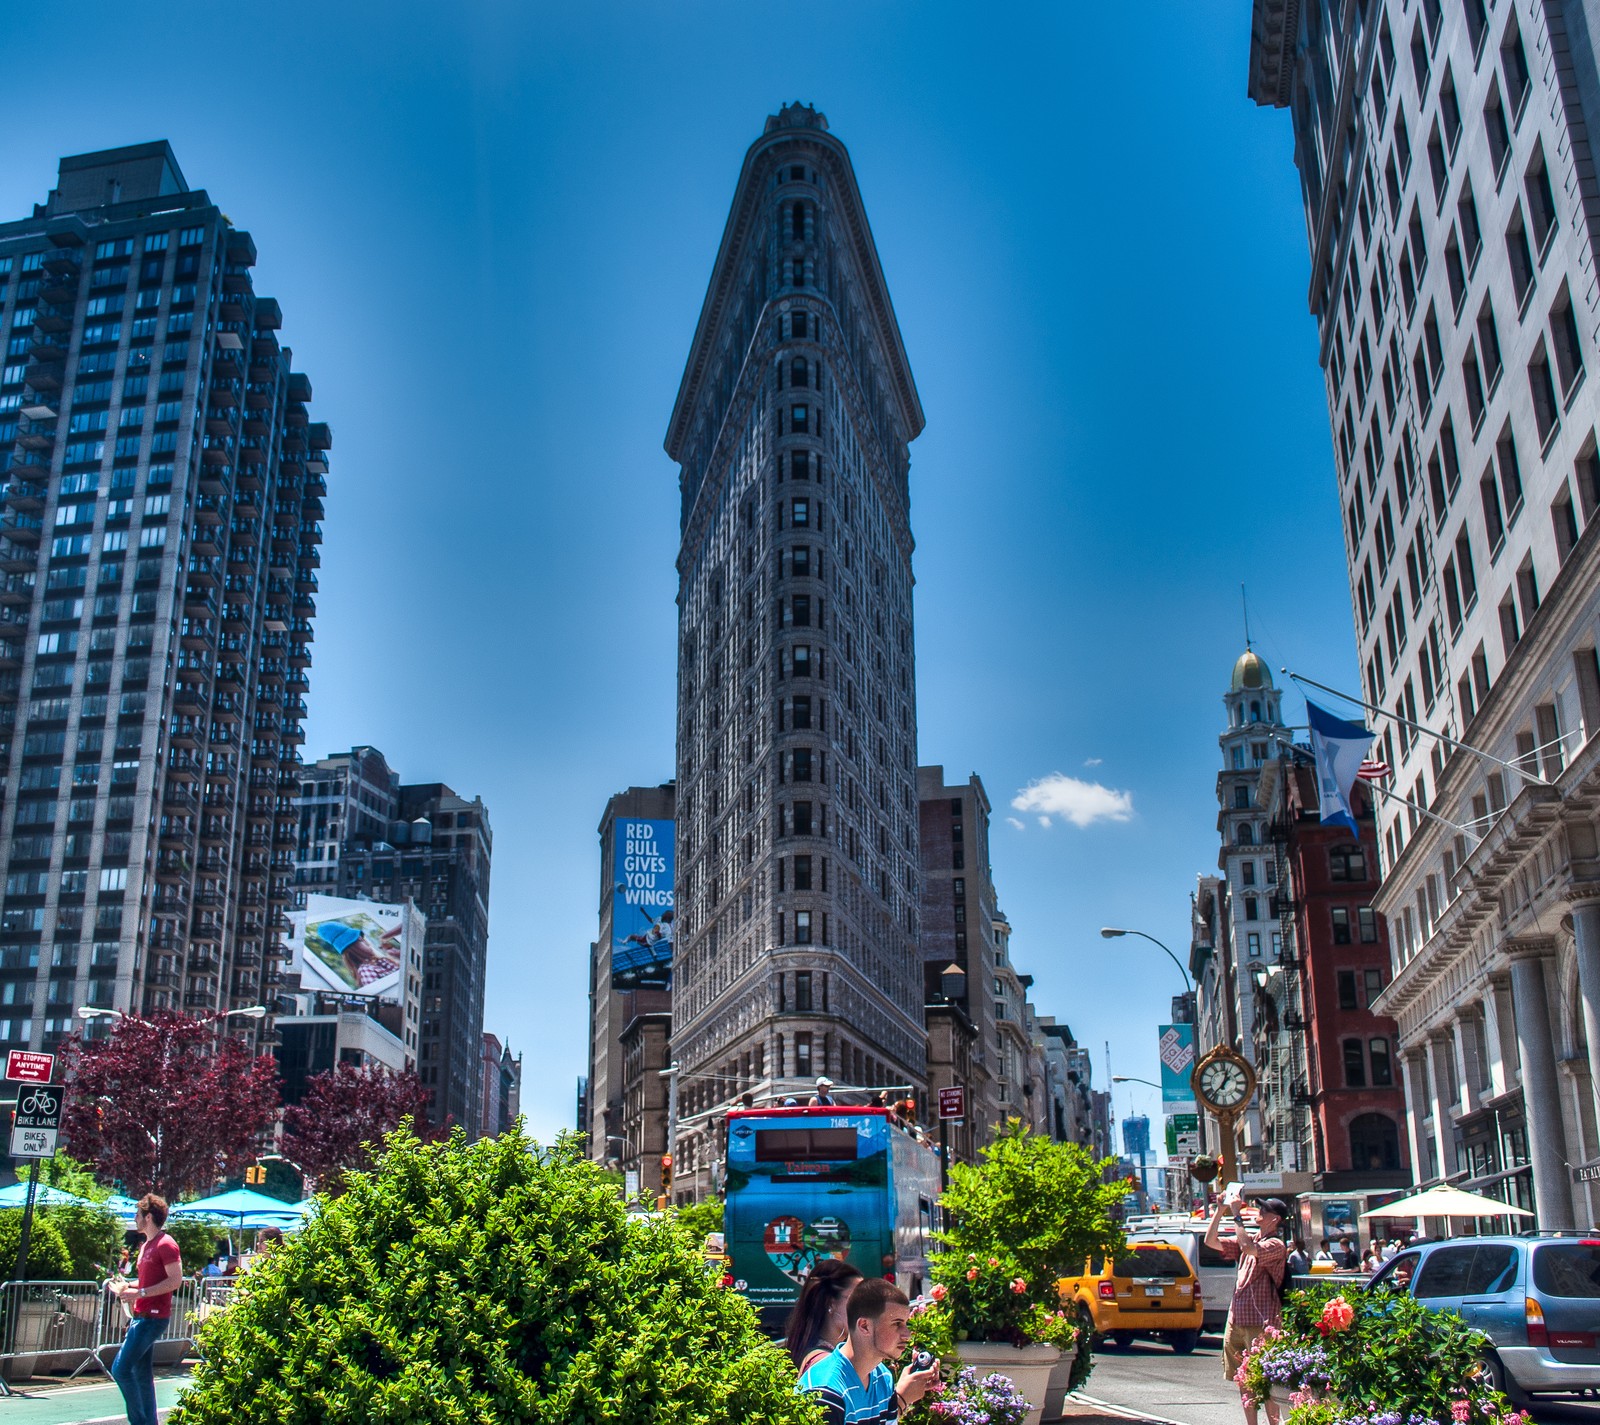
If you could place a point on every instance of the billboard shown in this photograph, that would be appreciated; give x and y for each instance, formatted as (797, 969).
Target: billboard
(1176, 1046)
(641, 905)
(351, 947)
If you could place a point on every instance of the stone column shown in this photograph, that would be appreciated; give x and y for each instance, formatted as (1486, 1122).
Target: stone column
(1496, 1020)
(1411, 1078)
(1469, 1067)
(1586, 934)
(1541, 1092)
(1440, 1052)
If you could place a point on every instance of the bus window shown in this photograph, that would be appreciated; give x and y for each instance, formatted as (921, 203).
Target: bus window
(805, 1145)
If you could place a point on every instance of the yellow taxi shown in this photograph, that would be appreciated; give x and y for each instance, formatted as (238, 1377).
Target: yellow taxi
(1150, 1289)
(717, 1258)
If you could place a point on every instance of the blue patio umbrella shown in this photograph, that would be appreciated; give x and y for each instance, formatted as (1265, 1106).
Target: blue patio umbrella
(45, 1196)
(242, 1209)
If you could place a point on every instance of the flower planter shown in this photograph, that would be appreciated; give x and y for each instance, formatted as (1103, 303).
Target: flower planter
(1028, 1367)
(1055, 1394)
(1283, 1396)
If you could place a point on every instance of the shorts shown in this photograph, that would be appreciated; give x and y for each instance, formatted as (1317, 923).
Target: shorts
(1236, 1340)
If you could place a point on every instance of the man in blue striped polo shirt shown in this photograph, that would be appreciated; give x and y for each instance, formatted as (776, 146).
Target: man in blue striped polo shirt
(854, 1383)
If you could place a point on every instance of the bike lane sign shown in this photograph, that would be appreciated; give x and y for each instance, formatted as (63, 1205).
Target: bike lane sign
(38, 1121)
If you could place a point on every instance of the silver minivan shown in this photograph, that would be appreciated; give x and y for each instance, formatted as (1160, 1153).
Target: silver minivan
(1537, 1298)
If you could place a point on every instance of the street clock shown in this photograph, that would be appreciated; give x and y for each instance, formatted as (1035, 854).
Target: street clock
(1225, 1081)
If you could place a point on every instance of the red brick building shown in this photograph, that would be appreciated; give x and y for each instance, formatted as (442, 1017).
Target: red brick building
(1332, 1094)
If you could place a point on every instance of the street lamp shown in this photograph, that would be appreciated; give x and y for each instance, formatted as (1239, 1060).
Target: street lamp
(1129, 1079)
(255, 1011)
(1112, 932)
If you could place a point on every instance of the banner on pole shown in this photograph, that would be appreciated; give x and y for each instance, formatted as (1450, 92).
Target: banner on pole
(1176, 1046)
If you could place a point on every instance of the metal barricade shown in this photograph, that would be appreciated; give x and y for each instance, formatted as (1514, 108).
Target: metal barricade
(70, 1326)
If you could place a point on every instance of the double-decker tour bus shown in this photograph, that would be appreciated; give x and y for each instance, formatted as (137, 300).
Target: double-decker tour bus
(839, 1181)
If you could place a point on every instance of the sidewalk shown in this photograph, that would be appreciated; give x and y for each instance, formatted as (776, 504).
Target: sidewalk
(1086, 1410)
(98, 1403)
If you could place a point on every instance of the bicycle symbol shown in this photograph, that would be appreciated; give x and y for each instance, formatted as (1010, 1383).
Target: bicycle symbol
(37, 1105)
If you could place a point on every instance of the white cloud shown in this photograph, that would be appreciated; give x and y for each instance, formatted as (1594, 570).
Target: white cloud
(1093, 761)
(1012, 821)
(1081, 803)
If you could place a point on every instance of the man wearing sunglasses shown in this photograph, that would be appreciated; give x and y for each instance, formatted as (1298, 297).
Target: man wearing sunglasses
(160, 1274)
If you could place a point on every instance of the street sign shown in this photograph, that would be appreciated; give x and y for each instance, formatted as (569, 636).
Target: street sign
(24, 1067)
(630, 1184)
(1261, 1180)
(1587, 1173)
(37, 1122)
(953, 1102)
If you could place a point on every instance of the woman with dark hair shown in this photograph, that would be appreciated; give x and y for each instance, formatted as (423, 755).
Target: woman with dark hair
(817, 1324)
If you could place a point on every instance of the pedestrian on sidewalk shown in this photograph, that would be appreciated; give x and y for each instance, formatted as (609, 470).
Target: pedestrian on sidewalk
(1257, 1299)
(160, 1274)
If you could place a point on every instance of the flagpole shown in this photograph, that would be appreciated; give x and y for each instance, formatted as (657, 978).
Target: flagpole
(1388, 795)
(1407, 722)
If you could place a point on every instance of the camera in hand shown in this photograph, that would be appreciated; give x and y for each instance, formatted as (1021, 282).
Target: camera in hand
(922, 1361)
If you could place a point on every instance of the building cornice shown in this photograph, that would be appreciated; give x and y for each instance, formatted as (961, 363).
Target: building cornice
(1273, 26)
(743, 218)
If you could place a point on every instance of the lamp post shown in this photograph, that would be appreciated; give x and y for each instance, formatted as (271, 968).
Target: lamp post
(1112, 932)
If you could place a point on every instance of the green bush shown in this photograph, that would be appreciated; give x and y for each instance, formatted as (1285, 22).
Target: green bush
(48, 1258)
(93, 1238)
(699, 1218)
(197, 1240)
(487, 1282)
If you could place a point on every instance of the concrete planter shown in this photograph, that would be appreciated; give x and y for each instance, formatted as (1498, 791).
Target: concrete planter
(1029, 1368)
(1055, 1395)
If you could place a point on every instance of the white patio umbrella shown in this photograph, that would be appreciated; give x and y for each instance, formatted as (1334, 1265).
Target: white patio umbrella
(1444, 1201)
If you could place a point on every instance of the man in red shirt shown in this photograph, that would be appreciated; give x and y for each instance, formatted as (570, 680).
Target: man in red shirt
(160, 1274)
(1257, 1303)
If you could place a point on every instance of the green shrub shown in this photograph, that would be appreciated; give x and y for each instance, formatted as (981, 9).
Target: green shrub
(197, 1240)
(487, 1282)
(48, 1258)
(700, 1218)
(93, 1238)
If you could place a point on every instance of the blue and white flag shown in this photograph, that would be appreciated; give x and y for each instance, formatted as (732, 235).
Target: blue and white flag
(1339, 747)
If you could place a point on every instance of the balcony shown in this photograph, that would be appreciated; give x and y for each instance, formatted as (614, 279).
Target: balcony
(25, 495)
(38, 435)
(24, 529)
(47, 351)
(53, 317)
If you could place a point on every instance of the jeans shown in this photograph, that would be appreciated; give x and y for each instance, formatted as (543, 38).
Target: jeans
(134, 1368)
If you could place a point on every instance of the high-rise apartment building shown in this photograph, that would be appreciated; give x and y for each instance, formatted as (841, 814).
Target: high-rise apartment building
(158, 546)
(630, 1016)
(797, 807)
(392, 843)
(1446, 160)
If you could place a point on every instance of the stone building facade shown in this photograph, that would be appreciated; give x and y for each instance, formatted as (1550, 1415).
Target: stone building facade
(797, 876)
(1446, 163)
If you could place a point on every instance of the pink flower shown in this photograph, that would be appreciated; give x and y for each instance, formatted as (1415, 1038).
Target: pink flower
(1019, 1286)
(994, 1261)
(938, 1293)
(1336, 1316)
(1460, 1411)
(972, 1274)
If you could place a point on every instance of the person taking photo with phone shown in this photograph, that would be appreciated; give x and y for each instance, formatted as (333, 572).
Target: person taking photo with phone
(1257, 1300)
(853, 1382)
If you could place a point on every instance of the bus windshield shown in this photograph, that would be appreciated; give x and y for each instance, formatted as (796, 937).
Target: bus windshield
(805, 1145)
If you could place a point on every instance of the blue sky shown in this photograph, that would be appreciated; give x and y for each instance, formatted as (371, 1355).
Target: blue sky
(490, 226)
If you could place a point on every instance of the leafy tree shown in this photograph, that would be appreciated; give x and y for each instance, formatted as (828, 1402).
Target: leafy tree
(69, 1175)
(343, 1117)
(487, 1282)
(48, 1258)
(699, 1218)
(166, 1103)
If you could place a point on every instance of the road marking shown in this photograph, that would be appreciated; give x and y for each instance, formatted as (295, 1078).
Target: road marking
(1123, 1410)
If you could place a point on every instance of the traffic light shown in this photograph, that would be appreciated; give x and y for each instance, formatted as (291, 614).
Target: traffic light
(666, 1174)
(256, 1174)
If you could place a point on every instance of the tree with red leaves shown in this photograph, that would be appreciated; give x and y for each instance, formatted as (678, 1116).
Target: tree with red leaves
(342, 1118)
(167, 1103)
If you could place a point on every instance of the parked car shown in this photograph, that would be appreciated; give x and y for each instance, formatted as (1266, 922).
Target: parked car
(1150, 1290)
(1536, 1297)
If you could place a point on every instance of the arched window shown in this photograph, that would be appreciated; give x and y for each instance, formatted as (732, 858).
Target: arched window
(1255, 712)
(1374, 1144)
(1245, 836)
(798, 375)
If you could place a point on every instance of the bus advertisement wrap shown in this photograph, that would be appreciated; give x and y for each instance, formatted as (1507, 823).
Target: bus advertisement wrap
(808, 1184)
(641, 905)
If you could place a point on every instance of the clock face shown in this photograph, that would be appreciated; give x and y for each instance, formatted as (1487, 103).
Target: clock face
(1224, 1084)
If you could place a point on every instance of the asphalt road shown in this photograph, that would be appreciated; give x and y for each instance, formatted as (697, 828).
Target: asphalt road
(1149, 1380)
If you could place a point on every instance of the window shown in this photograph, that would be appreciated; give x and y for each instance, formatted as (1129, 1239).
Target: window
(1355, 1065)
(1347, 863)
(1520, 256)
(1382, 1070)
(800, 514)
(802, 927)
(1564, 338)
(1541, 201)
(1489, 343)
(799, 419)
(1546, 409)
(1341, 925)
(1347, 989)
(1253, 944)
(1514, 68)
(1367, 923)
(1471, 233)
(1373, 984)
(1496, 129)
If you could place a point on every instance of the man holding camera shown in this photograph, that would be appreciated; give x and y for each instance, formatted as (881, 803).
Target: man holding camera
(854, 1383)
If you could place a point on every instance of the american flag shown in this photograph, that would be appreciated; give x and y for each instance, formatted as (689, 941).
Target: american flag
(1375, 771)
